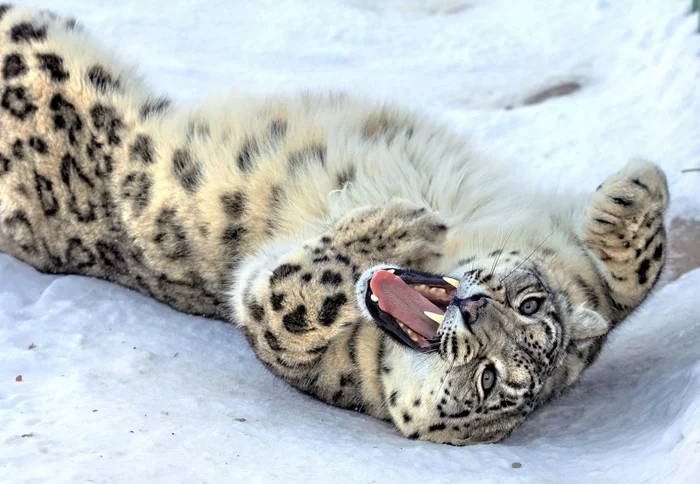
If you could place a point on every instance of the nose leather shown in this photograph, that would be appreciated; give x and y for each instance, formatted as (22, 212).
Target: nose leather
(471, 307)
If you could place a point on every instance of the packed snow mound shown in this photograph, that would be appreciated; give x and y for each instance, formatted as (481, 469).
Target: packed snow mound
(116, 387)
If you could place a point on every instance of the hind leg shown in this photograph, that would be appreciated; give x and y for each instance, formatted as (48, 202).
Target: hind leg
(60, 140)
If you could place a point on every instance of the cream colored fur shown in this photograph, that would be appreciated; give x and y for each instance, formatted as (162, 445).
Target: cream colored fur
(274, 213)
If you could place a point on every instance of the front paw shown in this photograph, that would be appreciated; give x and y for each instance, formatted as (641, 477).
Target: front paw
(628, 207)
(398, 233)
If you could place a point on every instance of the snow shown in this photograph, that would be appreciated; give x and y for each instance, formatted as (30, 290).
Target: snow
(120, 388)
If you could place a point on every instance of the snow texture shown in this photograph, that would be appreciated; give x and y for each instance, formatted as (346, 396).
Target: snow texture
(119, 388)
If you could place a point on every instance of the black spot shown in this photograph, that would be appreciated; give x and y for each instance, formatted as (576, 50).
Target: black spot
(111, 257)
(277, 301)
(283, 271)
(72, 24)
(39, 145)
(257, 312)
(436, 427)
(416, 402)
(643, 270)
(102, 79)
(331, 278)
(197, 129)
(406, 418)
(104, 163)
(352, 344)
(47, 198)
(345, 177)
(272, 341)
(277, 130)
(3, 9)
(392, 398)
(105, 120)
(296, 321)
(310, 154)
(318, 350)
(14, 66)
(79, 256)
(330, 308)
(53, 65)
(171, 236)
(625, 202)
(154, 107)
(248, 152)
(5, 165)
(639, 183)
(18, 149)
(413, 436)
(19, 228)
(137, 188)
(78, 184)
(65, 117)
(233, 234)
(142, 150)
(186, 170)
(306, 277)
(16, 100)
(348, 379)
(234, 204)
(658, 252)
(26, 32)
(343, 258)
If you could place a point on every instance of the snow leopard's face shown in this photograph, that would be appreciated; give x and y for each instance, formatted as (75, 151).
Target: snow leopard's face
(489, 340)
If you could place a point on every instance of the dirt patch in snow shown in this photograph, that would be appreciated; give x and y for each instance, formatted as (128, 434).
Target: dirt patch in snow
(563, 89)
(684, 247)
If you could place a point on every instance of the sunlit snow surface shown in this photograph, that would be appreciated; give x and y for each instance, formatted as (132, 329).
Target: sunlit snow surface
(120, 388)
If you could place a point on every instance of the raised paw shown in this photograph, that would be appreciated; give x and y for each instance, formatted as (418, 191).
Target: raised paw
(625, 230)
(627, 207)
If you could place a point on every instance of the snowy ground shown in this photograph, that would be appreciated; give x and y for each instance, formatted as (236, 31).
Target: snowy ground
(118, 388)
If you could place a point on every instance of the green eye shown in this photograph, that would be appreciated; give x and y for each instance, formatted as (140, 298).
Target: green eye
(530, 306)
(488, 379)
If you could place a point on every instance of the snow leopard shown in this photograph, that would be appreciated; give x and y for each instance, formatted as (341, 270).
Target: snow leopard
(371, 256)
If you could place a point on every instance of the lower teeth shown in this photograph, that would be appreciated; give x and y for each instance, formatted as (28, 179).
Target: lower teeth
(411, 334)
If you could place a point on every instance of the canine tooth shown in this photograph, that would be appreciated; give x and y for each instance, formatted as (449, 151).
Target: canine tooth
(451, 281)
(391, 270)
(374, 298)
(435, 316)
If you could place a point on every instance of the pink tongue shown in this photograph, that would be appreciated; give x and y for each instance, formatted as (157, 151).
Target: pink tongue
(404, 303)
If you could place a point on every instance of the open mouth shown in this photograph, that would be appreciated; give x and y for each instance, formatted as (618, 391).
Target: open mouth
(409, 305)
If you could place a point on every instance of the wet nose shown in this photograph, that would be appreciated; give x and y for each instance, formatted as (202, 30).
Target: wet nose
(471, 307)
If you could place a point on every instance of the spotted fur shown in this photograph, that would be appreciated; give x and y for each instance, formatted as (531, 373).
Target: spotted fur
(275, 213)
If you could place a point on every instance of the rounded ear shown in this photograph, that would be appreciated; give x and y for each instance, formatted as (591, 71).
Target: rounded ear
(588, 324)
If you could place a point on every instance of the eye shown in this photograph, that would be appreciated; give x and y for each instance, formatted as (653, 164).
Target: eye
(488, 379)
(530, 305)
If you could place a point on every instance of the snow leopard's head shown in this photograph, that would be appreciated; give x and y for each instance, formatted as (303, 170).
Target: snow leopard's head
(479, 348)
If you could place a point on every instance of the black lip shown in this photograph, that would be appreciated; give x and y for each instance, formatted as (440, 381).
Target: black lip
(386, 322)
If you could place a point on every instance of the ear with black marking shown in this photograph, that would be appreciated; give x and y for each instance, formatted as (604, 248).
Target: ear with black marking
(588, 324)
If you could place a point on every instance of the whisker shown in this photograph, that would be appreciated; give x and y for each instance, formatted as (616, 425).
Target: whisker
(528, 257)
(495, 263)
(437, 393)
